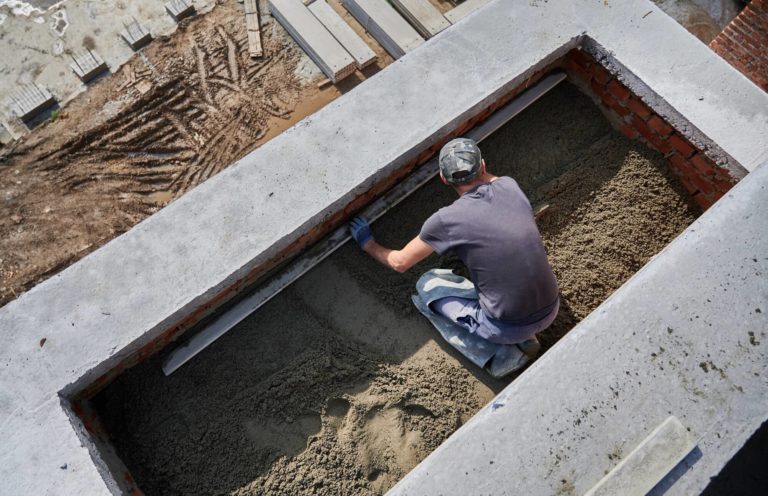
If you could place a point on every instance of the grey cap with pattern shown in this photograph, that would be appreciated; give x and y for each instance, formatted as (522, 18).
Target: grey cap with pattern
(460, 161)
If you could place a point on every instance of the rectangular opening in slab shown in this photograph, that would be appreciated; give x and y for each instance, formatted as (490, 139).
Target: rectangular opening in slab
(338, 385)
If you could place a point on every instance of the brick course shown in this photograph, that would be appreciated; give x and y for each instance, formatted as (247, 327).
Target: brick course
(700, 176)
(744, 43)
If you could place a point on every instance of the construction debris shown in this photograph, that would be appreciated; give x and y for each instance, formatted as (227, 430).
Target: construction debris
(385, 25)
(313, 38)
(253, 27)
(343, 33)
(423, 16)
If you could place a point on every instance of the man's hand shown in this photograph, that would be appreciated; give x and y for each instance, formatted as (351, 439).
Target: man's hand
(399, 260)
(361, 231)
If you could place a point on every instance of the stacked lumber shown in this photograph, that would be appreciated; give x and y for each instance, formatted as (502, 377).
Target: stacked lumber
(458, 13)
(343, 33)
(253, 28)
(313, 38)
(423, 16)
(385, 25)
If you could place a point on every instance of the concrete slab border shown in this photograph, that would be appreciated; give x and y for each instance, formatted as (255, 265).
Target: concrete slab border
(101, 315)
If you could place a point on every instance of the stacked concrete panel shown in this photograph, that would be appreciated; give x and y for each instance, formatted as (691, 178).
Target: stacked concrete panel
(313, 38)
(87, 65)
(29, 100)
(343, 33)
(136, 35)
(458, 13)
(180, 9)
(423, 16)
(386, 25)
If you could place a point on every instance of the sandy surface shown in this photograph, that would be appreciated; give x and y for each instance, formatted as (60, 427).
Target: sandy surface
(184, 108)
(338, 385)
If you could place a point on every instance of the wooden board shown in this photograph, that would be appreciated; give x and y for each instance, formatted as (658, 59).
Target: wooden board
(345, 35)
(253, 27)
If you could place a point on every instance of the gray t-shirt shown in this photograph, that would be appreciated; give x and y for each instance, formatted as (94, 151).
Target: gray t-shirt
(492, 230)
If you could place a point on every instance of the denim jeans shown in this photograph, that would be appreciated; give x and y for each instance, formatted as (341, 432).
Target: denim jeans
(469, 314)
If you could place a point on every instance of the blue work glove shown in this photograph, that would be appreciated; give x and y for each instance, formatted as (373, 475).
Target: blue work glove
(360, 230)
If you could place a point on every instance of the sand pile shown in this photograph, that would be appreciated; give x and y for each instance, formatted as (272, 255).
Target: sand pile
(338, 385)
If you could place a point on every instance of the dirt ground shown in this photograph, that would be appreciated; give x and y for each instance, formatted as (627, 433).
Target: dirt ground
(176, 114)
(338, 385)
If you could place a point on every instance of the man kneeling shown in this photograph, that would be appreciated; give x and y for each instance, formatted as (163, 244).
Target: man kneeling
(492, 229)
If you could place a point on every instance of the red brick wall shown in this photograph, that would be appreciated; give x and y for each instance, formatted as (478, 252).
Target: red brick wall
(701, 177)
(744, 43)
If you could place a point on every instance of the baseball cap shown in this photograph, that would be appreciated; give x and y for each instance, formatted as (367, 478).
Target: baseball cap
(460, 161)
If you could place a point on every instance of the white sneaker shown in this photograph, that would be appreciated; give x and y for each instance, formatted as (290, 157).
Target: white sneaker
(513, 357)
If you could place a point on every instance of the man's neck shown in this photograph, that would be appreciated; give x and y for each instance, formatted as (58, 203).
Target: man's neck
(484, 179)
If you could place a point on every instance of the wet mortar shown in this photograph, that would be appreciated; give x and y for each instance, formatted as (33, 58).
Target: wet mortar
(338, 385)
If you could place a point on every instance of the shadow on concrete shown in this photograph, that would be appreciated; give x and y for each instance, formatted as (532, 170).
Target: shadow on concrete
(745, 474)
(43, 116)
(676, 473)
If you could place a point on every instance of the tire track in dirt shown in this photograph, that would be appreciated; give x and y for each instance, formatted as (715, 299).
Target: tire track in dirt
(189, 105)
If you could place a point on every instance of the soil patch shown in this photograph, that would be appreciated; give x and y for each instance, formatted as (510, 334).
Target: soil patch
(176, 114)
(338, 385)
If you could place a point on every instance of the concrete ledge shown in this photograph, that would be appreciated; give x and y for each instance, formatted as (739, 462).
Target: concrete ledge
(686, 336)
(140, 290)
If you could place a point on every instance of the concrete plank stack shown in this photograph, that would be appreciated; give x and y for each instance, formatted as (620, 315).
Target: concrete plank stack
(385, 25)
(343, 33)
(87, 65)
(253, 27)
(458, 13)
(136, 35)
(180, 9)
(313, 38)
(30, 100)
(423, 16)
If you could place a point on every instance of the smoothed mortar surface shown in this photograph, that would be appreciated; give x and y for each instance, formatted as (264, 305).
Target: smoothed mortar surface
(338, 385)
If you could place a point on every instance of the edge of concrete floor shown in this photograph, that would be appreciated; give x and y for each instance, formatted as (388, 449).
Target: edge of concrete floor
(114, 302)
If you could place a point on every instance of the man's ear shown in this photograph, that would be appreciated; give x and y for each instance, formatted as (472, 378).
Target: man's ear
(482, 167)
(442, 178)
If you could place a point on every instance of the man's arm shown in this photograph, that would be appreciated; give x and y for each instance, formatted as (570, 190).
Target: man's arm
(400, 260)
